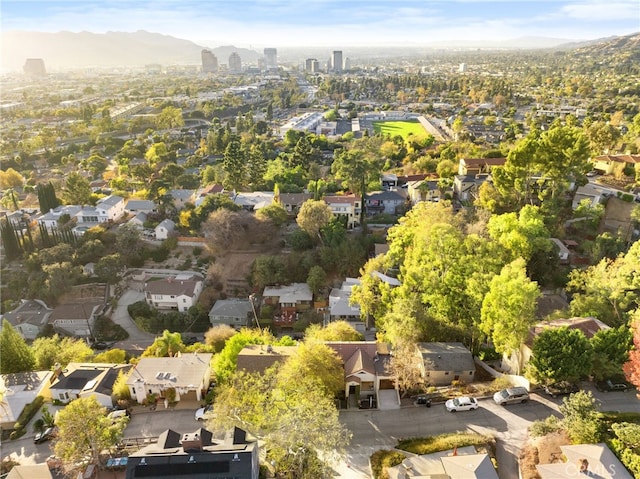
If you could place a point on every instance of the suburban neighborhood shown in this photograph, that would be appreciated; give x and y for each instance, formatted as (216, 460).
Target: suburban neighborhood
(277, 270)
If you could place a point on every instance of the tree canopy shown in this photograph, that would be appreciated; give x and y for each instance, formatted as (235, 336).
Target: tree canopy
(17, 357)
(560, 354)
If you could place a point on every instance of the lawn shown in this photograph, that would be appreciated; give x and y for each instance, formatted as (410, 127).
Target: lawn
(402, 128)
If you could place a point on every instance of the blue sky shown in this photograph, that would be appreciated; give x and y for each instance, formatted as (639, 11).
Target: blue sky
(330, 22)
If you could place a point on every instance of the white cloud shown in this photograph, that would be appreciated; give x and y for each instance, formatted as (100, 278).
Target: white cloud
(600, 10)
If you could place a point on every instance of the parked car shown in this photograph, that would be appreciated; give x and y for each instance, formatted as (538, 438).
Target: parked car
(592, 173)
(200, 413)
(511, 395)
(613, 384)
(424, 400)
(46, 435)
(561, 388)
(461, 404)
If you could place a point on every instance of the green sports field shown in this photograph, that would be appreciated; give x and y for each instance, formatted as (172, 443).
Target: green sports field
(402, 128)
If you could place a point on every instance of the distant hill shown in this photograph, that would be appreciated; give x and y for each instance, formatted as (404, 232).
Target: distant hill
(64, 50)
(626, 47)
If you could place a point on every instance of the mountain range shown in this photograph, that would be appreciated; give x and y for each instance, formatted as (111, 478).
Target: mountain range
(65, 50)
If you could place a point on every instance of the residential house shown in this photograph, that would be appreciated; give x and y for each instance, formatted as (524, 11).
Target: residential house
(340, 307)
(234, 312)
(76, 319)
(188, 374)
(292, 202)
(197, 455)
(467, 187)
(583, 461)
(29, 318)
(182, 197)
(615, 164)
(366, 369)
(289, 300)
(389, 181)
(474, 166)
(347, 207)
(257, 358)
(459, 463)
(140, 206)
(164, 229)
(253, 200)
(594, 193)
(178, 292)
(79, 380)
(423, 190)
(389, 202)
(138, 220)
(110, 208)
(51, 218)
(20, 389)
(517, 361)
(442, 363)
(208, 190)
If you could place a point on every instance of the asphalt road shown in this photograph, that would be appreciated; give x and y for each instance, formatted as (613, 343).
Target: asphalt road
(373, 429)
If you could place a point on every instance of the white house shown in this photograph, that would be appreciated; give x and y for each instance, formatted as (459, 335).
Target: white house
(188, 374)
(389, 201)
(339, 307)
(138, 220)
(178, 292)
(164, 229)
(140, 206)
(111, 208)
(20, 390)
(50, 218)
(345, 206)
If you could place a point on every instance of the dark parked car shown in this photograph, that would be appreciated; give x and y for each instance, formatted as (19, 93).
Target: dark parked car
(613, 384)
(100, 345)
(46, 435)
(560, 389)
(424, 400)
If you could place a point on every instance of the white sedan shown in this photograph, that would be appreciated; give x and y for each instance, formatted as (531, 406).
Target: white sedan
(200, 413)
(461, 404)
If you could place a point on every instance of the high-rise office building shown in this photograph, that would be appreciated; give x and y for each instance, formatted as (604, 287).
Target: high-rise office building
(336, 61)
(209, 62)
(34, 67)
(270, 59)
(235, 63)
(312, 65)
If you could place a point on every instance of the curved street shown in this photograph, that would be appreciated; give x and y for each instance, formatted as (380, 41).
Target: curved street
(138, 340)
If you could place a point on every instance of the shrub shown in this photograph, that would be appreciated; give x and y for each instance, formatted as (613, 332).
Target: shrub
(545, 426)
(26, 415)
(443, 442)
(383, 459)
(197, 251)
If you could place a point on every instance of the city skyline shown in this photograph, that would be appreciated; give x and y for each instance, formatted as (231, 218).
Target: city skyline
(288, 23)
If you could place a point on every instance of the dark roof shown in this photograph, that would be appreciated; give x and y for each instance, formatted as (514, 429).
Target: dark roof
(76, 379)
(446, 357)
(106, 385)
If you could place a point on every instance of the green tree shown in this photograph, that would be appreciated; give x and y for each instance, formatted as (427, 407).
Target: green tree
(302, 153)
(85, 430)
(16, 355)
(109, 268)
(115, 356)
(274, 213)
(628, 433)
(581, 418)
(128, 242)
(225, 363)
(316, 360)
(76, 190)
(49, 351)
(218, 335)
(234, 165)
(560, 354)
(610, 351)
(632, 366)
(508, 309)
(169, 344)
(10, 178)
(268, 270)
(334, 331)
(316, 279)
(313, 216)
(169, 117)
(47, 199)
(60, 278)
(294, 425)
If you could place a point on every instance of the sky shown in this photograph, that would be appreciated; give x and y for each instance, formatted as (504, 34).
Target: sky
(291, 23)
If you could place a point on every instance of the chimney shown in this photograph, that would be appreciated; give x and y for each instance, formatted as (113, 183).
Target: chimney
(239, 436)
(191, 441)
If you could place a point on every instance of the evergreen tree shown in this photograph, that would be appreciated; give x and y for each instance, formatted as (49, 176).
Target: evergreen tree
(10, 241)
(234, 165)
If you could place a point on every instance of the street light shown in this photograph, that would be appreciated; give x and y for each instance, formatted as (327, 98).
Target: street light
(252, 297)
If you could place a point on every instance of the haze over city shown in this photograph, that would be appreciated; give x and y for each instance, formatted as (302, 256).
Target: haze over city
(288, 23)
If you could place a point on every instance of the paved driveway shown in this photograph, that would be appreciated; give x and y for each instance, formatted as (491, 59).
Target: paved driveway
(138, 340)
